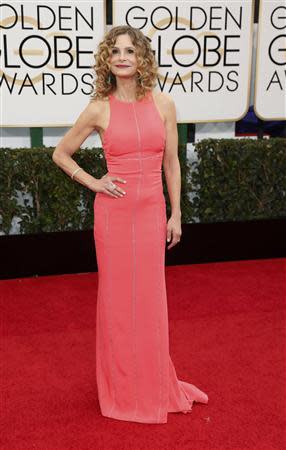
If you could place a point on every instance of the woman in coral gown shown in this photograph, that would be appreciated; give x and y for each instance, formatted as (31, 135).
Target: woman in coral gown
(136, 378)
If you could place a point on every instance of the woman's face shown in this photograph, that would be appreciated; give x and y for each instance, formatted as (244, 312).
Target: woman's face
(123, 54)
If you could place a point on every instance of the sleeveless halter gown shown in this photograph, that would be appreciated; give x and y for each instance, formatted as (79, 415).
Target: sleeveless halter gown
(136, 378)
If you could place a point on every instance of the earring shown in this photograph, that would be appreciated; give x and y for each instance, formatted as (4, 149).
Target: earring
(139, 78)
(109, 78)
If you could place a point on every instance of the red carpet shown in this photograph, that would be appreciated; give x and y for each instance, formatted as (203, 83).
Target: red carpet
(227, 336)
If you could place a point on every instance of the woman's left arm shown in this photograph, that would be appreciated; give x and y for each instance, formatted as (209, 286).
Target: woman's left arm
(172, 170)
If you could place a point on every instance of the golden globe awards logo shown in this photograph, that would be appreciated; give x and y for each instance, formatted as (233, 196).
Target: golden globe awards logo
(270, 82)
(203, 51)
(208, 39)
(42, 47)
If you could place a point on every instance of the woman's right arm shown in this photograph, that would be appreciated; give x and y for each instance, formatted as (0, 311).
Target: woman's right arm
(71, 142)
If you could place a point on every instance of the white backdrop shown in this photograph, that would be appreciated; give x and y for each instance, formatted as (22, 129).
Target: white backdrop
(203, 50)
(270, 85)
(204, 56)
(46, 58)
(45, 76)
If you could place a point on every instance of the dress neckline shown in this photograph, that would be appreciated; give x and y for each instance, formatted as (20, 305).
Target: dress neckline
(129, 103)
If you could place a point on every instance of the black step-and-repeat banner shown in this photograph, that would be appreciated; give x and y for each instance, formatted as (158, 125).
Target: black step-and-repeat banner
(204, 51)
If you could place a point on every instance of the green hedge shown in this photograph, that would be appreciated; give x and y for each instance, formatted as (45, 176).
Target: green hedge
(58, 203)
(238, 179)
(232, 179)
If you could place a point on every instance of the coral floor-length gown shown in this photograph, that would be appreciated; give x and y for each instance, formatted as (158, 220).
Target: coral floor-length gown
(136, 378)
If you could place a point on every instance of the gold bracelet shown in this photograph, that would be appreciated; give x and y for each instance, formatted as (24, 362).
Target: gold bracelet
(74, 172)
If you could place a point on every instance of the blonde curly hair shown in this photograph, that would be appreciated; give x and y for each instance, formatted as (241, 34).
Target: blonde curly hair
(147, 67)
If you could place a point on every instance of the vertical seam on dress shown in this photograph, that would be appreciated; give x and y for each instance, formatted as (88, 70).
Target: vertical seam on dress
(99, 333)
(110, 310)
(134, 311)
(99, 329)
(134, 261)
(158, 327)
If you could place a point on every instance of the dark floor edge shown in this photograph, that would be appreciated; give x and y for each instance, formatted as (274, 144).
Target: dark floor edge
(74, 251)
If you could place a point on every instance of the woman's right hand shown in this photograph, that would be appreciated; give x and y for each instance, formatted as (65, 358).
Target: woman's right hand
(106, 185)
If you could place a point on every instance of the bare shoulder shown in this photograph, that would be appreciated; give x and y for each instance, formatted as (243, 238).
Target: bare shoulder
(95, 110)
(164, 98)
(167, 106)
(95, 107)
